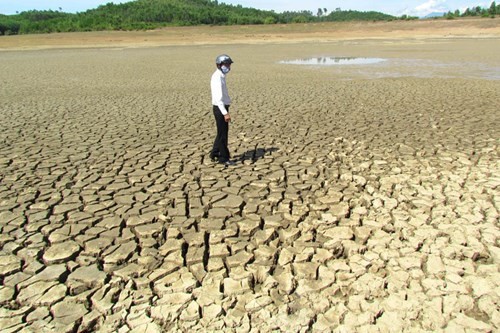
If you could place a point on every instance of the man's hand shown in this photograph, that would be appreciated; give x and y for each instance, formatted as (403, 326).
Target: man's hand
(227, 117)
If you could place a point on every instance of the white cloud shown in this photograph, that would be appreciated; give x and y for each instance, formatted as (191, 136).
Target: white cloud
(430, 7)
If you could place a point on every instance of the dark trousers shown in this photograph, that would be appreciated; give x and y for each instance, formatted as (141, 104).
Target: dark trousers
(220, 149)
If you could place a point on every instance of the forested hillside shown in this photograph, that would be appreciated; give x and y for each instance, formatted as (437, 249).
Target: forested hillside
(491, 11)
(150, 14)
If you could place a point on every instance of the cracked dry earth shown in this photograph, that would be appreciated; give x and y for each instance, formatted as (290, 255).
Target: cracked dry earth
(357, 205)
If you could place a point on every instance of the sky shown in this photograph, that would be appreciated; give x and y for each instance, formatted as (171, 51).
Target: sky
(392, 7)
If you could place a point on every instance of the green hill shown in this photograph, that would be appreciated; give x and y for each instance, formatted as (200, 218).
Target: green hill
(150, 14)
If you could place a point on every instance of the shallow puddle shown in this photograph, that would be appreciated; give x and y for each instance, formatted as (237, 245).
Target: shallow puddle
(394, 67)
(333, 61)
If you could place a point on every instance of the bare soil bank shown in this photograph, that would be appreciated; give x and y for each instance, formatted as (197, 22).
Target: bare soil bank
(477, 28)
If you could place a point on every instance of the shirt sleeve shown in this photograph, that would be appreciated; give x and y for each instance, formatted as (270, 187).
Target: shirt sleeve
(222, 108)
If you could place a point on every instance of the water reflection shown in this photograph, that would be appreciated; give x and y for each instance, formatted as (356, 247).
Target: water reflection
(333, 61)
(396, 67)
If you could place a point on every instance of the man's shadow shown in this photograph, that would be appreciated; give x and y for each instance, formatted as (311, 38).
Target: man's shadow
(255, 154)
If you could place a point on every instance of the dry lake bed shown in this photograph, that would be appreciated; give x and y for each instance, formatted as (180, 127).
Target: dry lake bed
(365, 196)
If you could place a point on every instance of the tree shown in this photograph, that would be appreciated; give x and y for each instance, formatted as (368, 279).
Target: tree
(320, 12)
(300, 19)
(269, 20)
(493, 8)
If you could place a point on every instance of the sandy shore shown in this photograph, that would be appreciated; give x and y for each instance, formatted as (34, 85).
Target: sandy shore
(365, 197)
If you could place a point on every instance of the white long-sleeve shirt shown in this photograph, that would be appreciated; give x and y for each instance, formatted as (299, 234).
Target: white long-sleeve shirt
(220, 96)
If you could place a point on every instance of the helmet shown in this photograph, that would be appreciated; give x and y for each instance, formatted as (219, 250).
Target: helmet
(223, 59)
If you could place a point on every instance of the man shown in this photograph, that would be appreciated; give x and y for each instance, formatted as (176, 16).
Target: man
(221, 103)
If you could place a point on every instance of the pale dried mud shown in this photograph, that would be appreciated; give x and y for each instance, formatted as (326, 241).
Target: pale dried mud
(364, 199)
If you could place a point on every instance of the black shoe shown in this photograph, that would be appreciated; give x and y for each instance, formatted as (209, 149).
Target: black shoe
(214, 158)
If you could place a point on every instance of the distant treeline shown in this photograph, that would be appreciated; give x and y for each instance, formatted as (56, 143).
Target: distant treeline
(493, 10)
(150, 14)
